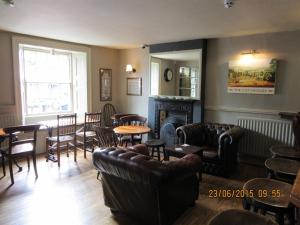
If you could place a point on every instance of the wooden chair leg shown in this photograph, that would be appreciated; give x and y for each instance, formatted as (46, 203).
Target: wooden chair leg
(75, 151)
(11, 170)
(280, 218)
(58, 154)
(291, 216)
(255, 209)
(84, 148)
(28, 162)
(246, 205)
(3, 165)
(68, 149)
(34, 165)
(158, 153)
(47, 149)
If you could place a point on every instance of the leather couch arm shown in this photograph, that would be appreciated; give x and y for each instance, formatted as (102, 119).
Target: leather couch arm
(184, 167)
(234, 134)
(187, 134)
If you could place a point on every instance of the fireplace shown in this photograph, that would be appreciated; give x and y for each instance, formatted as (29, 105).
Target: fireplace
(163, 110)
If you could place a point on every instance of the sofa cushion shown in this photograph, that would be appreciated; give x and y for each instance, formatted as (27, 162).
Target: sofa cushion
(209, 152)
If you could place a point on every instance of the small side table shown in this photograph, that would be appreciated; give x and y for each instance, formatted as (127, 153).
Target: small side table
(283, 151)
(282, 169)
(186, 149)
(155, 145)
(269, 195)
(238, 216)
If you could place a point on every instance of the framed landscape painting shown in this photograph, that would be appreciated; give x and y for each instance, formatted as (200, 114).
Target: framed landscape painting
(257, 77)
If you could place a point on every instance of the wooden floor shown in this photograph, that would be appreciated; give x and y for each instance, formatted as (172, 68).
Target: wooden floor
(72, 195)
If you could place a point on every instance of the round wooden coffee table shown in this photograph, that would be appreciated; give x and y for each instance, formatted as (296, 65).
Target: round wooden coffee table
(269, 195)
(240, 217)
(280, 168)
(131, 130)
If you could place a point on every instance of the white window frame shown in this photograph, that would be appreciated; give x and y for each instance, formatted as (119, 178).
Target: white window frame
(16, 41)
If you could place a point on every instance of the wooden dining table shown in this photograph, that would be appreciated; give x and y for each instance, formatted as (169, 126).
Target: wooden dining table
(131, 130)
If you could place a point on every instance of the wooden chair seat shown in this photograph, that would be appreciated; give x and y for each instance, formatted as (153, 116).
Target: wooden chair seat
(18, 149)
(87, 134)
(61, 139)
(66, 134)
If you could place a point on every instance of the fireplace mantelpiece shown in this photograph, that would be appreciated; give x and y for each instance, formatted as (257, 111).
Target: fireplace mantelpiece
(186, 110)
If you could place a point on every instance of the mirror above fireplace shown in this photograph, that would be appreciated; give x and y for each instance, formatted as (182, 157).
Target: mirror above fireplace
(176, 74)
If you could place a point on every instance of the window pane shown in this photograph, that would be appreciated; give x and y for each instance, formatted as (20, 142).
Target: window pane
(40, 66)
(48, 98)
(154, 78)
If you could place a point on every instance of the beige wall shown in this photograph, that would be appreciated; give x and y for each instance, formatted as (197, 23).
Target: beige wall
(225, 107)
(100, 58)
(139, 58)
(104, 58)
(220, 105)
(6, 70)
(167, 87)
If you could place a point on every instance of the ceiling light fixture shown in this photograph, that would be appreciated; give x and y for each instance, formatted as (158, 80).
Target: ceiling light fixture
(11, 3)
(228, 3)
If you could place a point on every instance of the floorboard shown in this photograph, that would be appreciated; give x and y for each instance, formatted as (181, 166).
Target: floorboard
(72, 195)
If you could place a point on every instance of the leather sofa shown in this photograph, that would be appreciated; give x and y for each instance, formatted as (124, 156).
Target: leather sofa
(147, 190)
(219, 143)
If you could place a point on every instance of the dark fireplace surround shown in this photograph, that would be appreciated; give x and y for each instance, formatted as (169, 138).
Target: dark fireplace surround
(163, 110)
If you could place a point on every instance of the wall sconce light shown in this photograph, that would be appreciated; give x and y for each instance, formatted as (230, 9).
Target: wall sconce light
(248, 58)
(251, 52)
(130, 69)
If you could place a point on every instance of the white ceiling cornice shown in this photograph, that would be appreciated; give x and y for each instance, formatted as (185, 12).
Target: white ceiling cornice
(130, 23)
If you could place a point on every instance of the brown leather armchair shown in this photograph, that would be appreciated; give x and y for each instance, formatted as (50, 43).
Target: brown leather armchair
(219, 143)
(147, 190)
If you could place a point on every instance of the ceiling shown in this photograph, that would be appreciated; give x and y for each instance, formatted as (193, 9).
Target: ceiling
(188, 55)
(130, 23)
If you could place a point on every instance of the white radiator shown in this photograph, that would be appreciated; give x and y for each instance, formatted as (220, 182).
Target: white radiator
(261, 134)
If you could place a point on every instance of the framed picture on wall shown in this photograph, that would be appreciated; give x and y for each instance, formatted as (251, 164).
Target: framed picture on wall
(255, 76)
(134, 86)
(105, 84)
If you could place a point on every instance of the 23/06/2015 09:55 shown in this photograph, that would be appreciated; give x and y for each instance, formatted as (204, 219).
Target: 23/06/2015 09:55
(240, 193)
